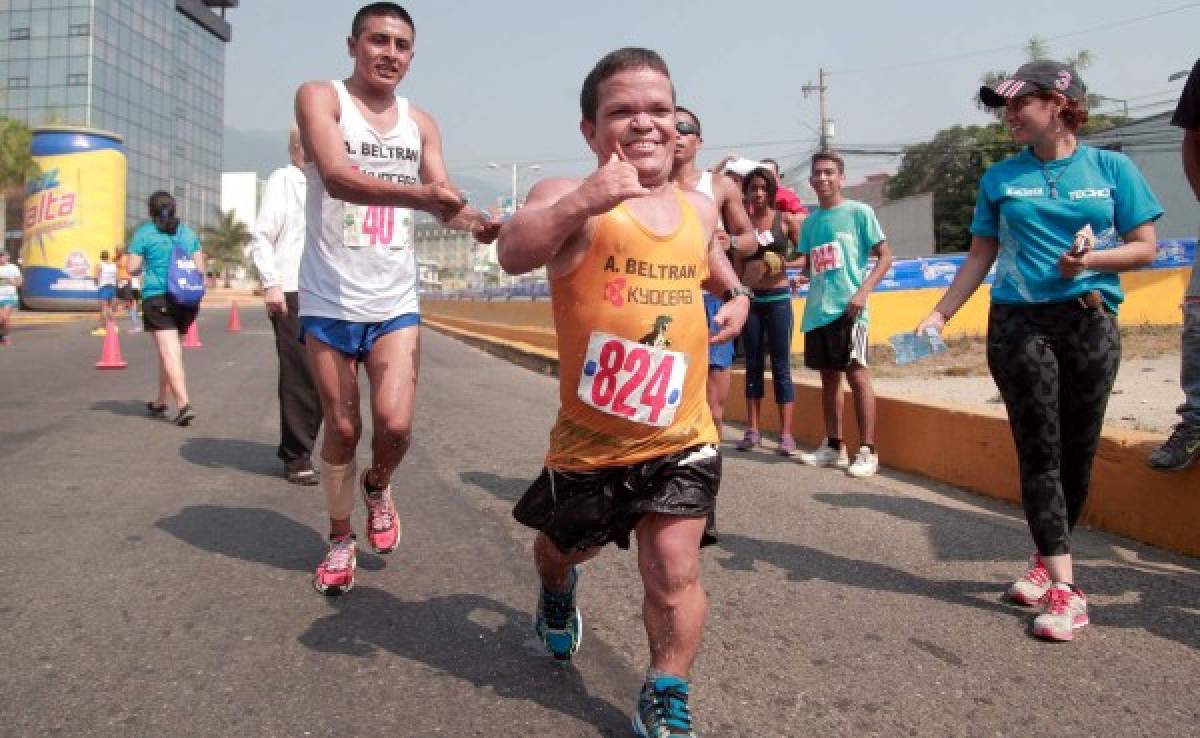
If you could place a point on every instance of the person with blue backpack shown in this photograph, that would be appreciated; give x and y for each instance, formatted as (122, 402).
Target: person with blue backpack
(167, 254)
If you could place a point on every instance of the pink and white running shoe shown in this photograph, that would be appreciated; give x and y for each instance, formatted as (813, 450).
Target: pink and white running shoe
(383, 525)
(1033, 584)
(1066, 612)
(335, 573)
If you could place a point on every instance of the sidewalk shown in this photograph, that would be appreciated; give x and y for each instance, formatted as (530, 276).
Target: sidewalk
(215, 297)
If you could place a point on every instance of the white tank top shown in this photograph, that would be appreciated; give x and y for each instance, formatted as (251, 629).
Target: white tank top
(108, 275)
(705, 186)
(359, 263)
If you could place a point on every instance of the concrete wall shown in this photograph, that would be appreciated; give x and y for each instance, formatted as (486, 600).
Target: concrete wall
(1152, 297)
(1154, 145)
(908, 225)
(966, 447)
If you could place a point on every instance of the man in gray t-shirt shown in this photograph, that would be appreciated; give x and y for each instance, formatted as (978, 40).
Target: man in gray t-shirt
(1183, 447)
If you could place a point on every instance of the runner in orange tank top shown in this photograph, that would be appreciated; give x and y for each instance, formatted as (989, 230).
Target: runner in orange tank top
(634, 448)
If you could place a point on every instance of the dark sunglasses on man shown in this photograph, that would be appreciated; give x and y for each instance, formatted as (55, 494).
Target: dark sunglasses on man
(683, 128)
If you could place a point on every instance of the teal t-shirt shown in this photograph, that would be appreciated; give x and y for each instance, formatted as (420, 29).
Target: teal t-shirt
(1035, 208)
(838, 242)
(155, 247)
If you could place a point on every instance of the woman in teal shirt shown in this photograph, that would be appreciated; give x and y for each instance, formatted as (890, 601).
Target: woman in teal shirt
(1053, 345)
(150, 252)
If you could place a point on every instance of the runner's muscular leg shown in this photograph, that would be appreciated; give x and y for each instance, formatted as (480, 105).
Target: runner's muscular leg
(336, 377)
(675, 604)
(392, 368)
(554, 566)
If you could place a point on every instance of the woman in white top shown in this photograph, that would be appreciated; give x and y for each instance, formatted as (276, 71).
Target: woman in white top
(10, 280)
(105, 275)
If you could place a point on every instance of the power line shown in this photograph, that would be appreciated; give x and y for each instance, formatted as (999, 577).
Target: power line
(982, 52)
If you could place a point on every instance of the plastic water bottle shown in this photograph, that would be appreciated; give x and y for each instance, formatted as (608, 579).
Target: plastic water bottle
(910, 347)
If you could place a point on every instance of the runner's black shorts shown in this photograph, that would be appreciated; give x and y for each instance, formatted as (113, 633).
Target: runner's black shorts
(582, 510)
(836, 345)
(160, 314)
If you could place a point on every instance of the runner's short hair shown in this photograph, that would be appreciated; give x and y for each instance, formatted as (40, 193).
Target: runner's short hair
(391, 10)
(615, 62)
(832, 156)
(695, 118)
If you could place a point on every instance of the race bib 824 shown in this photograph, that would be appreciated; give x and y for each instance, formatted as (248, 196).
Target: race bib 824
(630, 380)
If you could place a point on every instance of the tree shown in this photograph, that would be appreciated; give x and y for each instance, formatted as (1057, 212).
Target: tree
(16, 165)
(950, 166)
(225, 243)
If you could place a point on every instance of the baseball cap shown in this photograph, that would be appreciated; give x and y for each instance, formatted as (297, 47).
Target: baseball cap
(742, 166)
(1031, 77)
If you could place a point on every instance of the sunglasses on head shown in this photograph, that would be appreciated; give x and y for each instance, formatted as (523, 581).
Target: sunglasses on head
(683, 128)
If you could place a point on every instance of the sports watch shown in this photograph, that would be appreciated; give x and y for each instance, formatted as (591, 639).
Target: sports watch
(739, 291)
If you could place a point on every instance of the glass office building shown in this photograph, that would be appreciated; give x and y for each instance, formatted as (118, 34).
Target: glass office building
(151, 71)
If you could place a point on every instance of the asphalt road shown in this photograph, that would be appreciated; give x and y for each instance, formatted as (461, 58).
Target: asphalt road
(154, 581)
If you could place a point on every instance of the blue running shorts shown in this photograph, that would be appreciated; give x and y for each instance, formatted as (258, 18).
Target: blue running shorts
(353, 339)
(720, 355)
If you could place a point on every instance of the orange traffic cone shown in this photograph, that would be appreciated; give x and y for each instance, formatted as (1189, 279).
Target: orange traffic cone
(110, 353)
(192, 339)
(235, 321)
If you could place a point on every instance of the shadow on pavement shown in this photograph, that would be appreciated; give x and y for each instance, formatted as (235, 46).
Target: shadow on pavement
(803, 563)
(468, 637)
(256, 535)
(233, 453)
(505, 488)
(126, 408)
(1167, 600)
(954, 534)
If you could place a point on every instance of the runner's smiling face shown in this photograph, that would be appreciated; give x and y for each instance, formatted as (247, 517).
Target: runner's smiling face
(1031, 118)
(382, 52)
(826, 180)
(635, 117)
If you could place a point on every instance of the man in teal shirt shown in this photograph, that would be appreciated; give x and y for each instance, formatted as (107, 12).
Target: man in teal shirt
(839, 239)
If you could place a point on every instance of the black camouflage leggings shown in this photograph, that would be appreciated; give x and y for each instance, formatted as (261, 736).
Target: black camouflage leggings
(1055, 366)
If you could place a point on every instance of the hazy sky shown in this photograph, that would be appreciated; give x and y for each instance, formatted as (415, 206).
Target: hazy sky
(502, 79)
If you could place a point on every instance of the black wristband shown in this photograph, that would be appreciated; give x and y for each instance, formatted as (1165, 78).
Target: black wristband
(738, 291)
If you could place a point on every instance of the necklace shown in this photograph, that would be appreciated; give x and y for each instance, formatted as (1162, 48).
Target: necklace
(1052, 182)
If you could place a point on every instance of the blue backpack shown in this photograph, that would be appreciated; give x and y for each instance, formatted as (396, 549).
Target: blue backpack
(185, 283)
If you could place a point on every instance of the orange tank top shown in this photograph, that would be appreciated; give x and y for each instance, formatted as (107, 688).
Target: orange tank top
(632, 345)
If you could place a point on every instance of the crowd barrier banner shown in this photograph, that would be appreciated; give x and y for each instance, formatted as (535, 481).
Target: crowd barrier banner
(929, 272)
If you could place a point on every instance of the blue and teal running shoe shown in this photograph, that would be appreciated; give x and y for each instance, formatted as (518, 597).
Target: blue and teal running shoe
(557, 621)
(662, 709)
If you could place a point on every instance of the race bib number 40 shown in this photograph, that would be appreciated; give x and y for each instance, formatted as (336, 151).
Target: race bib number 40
(631, 380)
(377, 226)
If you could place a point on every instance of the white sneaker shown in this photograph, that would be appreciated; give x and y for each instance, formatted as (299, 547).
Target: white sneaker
(865, 463)
(825, 455)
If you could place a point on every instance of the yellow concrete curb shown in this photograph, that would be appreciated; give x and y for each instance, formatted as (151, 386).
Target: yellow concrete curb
(967, 447)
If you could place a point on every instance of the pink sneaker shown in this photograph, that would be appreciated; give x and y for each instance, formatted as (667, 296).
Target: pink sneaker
(335, 574)
(1066, 612)
(383, 525)
(1033, 584)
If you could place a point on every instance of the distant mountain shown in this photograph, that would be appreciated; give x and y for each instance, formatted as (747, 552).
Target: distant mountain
(254, 151)
(266, 151)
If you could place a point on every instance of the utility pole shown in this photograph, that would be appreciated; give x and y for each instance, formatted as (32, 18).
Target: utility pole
(826, 124)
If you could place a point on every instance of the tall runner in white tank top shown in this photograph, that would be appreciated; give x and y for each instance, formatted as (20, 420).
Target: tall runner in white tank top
(359, 264)
(376, 160)
(733, 226)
